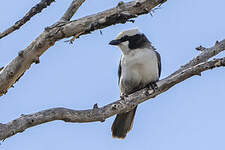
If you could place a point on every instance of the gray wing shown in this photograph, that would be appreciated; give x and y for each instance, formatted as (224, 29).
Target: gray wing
(119, 72)
(159, 62)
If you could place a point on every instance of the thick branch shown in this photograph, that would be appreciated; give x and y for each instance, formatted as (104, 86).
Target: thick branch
(72, 10)
(120, 14)
(100, 114)
(33, 11)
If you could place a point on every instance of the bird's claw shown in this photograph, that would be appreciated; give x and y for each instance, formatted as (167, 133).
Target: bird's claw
(152, 87)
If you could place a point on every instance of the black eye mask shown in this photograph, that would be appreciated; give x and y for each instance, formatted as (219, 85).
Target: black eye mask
(117, 42)
(137, 38)
(137, 41)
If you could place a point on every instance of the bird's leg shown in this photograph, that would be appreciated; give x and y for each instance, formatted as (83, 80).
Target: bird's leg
(152, 87)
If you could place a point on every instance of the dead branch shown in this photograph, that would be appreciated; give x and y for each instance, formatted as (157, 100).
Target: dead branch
(120, 14)
(33, 11)
(100, 114)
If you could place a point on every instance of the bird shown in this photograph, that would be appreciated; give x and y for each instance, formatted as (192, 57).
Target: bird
(139, 67)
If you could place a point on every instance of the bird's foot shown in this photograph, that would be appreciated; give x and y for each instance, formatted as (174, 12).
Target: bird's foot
(152, 87)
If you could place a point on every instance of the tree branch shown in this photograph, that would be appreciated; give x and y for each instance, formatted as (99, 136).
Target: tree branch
(72, 10)
(33, 11)
(100, 114)
(122, 105)
(205, 55)
(120, 14)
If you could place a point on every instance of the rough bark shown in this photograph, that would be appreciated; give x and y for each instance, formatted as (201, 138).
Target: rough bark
(100, 114)
(120, 14)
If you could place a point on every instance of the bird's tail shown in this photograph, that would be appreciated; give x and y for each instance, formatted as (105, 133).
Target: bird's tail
(123, 124)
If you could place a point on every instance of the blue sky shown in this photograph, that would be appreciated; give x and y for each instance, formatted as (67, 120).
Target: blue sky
(188, 116)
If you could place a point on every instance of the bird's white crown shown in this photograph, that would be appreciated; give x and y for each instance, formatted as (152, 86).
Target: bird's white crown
(129, 32)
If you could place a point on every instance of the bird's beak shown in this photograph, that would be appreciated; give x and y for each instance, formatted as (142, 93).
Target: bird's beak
(115, 42)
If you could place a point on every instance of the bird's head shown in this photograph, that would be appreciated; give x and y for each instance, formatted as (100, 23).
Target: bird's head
(129, 40)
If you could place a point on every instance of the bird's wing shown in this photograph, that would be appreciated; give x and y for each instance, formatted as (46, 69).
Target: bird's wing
(119, 72)
(159, 62)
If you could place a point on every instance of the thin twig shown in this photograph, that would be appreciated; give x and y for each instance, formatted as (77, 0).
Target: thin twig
(33, 11)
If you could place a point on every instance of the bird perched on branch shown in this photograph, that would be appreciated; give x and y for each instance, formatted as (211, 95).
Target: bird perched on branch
(139, 67)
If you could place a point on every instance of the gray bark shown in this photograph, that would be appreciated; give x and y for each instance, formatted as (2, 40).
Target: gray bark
(123, 105)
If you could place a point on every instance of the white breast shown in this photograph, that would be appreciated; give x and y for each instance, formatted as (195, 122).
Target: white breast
(140, 65)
